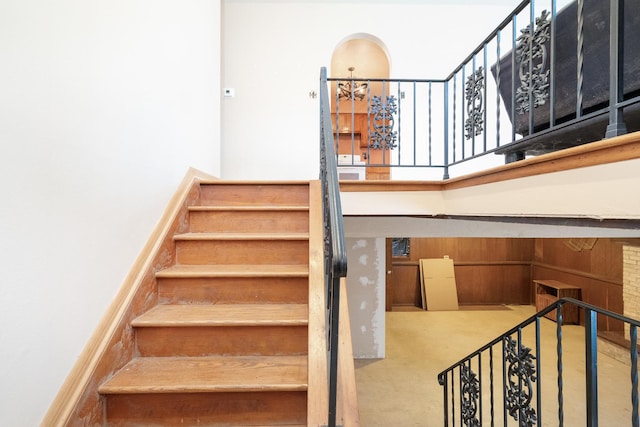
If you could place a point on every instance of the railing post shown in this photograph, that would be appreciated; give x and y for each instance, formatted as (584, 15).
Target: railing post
(446, 130)
(616, 90)
(333, 353)
(591, 368)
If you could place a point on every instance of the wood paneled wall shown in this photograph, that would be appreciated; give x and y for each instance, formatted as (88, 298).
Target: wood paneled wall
(597, 271)
(488, 271)
(500, 270)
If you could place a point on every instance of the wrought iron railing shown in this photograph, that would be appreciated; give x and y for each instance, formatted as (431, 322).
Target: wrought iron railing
(546, 78)
(501, 383)
(335, 257)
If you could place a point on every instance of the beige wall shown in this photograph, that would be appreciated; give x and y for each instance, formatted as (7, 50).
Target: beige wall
(104, 107)
(273, 52)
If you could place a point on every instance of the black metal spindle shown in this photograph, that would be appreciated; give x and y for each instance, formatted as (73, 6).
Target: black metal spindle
(415, 126)
(443, 380)
(579, 57)
(591, 365)
(463, 149)
(616, 59)
(386, 152)
(514, 45)
(462, 415)
(453, 400)
(504, 383)
(368, 135)
(498, 102)
(429, 125)
(469, 109)
(552, 66)
(491, 386)
(560, 369)
(446, 131)
(519, 344)
(484, 107)
(532, 23)
(455, 111)
(480, 387)
(633, 348)
(538, 370)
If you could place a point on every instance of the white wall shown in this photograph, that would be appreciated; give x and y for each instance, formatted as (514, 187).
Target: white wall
(104, 105)
(273, 51)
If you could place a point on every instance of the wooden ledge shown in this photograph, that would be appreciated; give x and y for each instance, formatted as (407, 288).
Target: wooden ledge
(620, 148)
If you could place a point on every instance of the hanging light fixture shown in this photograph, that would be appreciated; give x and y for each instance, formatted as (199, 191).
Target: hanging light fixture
(346, 91)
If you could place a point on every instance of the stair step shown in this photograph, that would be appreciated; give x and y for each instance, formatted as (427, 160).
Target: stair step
(234, 270)
(209, 374)
(257, 409)
(237, 193)
(224, 315)
(276, 219)
(223, 329)
(242, 248)
(240, 236)
(233, 284)
(249, 208)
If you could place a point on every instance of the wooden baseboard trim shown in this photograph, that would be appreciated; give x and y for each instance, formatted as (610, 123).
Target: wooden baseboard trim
(347, 410)
(617, 149)
(317, 394)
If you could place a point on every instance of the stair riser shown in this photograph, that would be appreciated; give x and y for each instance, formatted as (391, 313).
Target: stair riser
(197, 409)
(233, 290)
(249, 222)
(222, 341)
(246, 194)
(242, 252)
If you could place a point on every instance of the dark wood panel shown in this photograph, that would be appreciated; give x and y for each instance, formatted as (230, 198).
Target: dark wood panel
(405, 285)
(604, 259)
(493, 284)
(595, 291)
(500, 270)
(473, 249)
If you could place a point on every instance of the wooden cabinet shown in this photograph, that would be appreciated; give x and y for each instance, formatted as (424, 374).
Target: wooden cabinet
(549, 291)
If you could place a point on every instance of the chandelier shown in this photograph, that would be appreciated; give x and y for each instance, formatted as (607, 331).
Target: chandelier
(351, 89)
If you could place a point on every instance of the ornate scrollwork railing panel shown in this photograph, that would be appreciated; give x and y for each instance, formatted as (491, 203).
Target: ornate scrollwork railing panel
(535, 78)
(474, 124)
(383, 111)
(470, 392)
(521, 374)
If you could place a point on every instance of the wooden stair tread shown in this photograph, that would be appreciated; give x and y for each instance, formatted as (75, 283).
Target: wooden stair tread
(241, 236)
(234, 270)
(209, 374)
(249, 208)
(251, 182)
(224, 315)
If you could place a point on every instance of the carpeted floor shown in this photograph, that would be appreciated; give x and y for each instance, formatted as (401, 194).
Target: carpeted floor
(402, 389)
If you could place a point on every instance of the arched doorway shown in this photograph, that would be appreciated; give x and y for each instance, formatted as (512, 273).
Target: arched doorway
(359, 55)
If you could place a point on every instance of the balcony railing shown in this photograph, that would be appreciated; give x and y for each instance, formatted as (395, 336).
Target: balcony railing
(501, 383)
(544, 79)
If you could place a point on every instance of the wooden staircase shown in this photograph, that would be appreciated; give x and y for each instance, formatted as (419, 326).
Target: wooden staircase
(227, 342)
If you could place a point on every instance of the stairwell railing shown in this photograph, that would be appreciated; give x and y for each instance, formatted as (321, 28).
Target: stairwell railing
(501, 383)
(335, 256)
(553, 74)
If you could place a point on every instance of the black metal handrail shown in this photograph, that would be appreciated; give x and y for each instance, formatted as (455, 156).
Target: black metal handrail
(520, 367)
(543, 80)
(335, 255)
